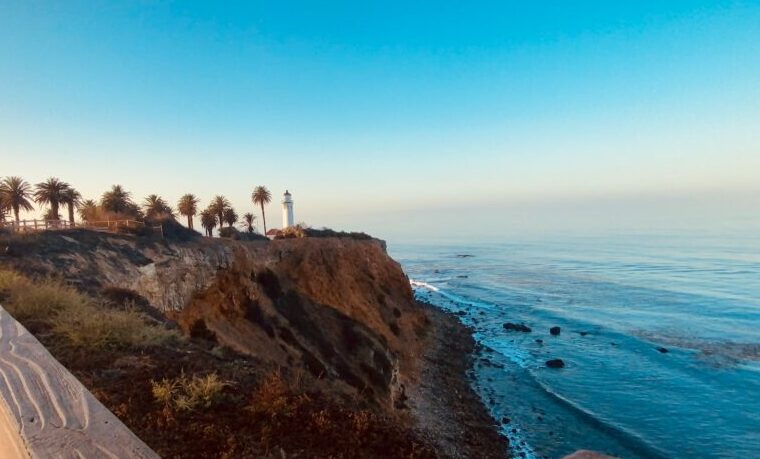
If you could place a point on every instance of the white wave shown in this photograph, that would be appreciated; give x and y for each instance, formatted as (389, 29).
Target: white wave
(449, 296)
(416, 283)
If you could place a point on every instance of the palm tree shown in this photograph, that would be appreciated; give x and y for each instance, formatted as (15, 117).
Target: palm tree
(51, 192)
(72, 199)
(208, 221)
(156, 207)
(188, 206)
(117, 200)
(15, 193)
(230, 216)
(249, 219)
(88, 210)
(218, 205)
(262, 196)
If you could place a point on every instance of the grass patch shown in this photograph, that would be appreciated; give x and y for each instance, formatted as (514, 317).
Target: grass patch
(73, 317)
(189, 393)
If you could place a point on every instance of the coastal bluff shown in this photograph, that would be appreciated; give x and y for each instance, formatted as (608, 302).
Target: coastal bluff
(335, 316)
(45, 412)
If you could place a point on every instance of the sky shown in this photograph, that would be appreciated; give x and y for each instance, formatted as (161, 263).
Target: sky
(404, 119)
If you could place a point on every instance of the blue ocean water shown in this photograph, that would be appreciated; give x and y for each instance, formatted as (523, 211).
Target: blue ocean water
(617, 300)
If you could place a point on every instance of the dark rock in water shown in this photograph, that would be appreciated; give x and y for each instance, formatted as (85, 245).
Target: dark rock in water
(514, 431)
(505, 420)
(464, 255)
(540, 341)
(555, 363)
(583, 333)
(662, 350)
(555, 331)
(461, 313)
(517, 327)
(462, 277)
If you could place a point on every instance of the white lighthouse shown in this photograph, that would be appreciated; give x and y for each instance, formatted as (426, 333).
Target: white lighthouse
(287, 210)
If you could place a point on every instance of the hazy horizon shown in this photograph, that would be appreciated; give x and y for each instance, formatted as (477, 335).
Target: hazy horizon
(405, 121)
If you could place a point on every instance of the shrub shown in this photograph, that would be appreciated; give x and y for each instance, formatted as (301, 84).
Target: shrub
(189, 393)
(74, 317)
(92, 326)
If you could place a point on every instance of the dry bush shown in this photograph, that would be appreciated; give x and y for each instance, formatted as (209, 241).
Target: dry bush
(93, 326)
(75, 317)
(276, 398)
(189, 393)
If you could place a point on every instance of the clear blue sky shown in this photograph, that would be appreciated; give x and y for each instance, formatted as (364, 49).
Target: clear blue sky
(398, 118)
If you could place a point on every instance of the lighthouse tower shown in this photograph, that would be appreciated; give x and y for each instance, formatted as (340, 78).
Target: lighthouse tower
(287, 210)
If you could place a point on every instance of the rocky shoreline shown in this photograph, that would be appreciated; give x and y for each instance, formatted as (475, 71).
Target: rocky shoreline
(446, 408)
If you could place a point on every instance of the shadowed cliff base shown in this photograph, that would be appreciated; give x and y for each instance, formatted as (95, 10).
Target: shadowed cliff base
(307, 347)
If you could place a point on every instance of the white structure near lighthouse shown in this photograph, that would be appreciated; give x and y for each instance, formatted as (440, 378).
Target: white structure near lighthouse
(287, 210)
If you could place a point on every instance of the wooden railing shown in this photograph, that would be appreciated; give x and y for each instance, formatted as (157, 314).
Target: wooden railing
(25, 226)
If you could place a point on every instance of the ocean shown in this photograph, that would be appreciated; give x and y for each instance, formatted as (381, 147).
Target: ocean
(660, 336)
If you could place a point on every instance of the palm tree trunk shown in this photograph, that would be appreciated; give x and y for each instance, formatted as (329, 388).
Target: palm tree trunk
(15, 212)
(189, 221)
(264, 218)
(54, 208)
(71, 214)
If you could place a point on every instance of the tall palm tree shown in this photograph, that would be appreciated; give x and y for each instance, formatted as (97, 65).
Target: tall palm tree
(15, 194)
(208, 221)
(188, 206)
(248, 220)
(51, 192)
(230, 216)
(218, 205)
(262, 196)
(88, 210)
(117, 200)
(72, 198)
(156, 207)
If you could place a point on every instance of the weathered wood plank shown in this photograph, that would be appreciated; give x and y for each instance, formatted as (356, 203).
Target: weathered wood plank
(45, 412)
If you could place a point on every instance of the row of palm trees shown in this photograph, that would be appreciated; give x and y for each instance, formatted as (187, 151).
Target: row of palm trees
(17, 195)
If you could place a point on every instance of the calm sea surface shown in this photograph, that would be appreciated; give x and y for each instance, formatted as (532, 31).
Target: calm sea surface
(617, 300)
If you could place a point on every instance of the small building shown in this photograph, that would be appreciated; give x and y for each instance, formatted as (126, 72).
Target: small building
(287, 211)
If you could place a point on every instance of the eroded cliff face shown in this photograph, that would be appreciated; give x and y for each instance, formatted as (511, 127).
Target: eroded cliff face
(338, 308)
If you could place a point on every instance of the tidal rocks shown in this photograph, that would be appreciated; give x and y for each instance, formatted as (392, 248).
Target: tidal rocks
(662, 350)
(505, 420)
(555, 363)
(517, 327)
(540, 341)
(555, 331)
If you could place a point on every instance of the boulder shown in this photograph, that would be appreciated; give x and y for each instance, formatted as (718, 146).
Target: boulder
(555, 363)
(555, 331)
(517, 327)
(662, 350)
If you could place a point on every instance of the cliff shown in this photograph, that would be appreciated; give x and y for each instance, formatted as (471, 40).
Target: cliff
(338, 310)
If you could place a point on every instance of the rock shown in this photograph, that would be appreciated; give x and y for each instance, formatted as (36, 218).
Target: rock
(540, 341)
(662, 350)
(555, 363)
(555, 331)
(583, 333)
(586, 454)
(517, 327)
(505, 420)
